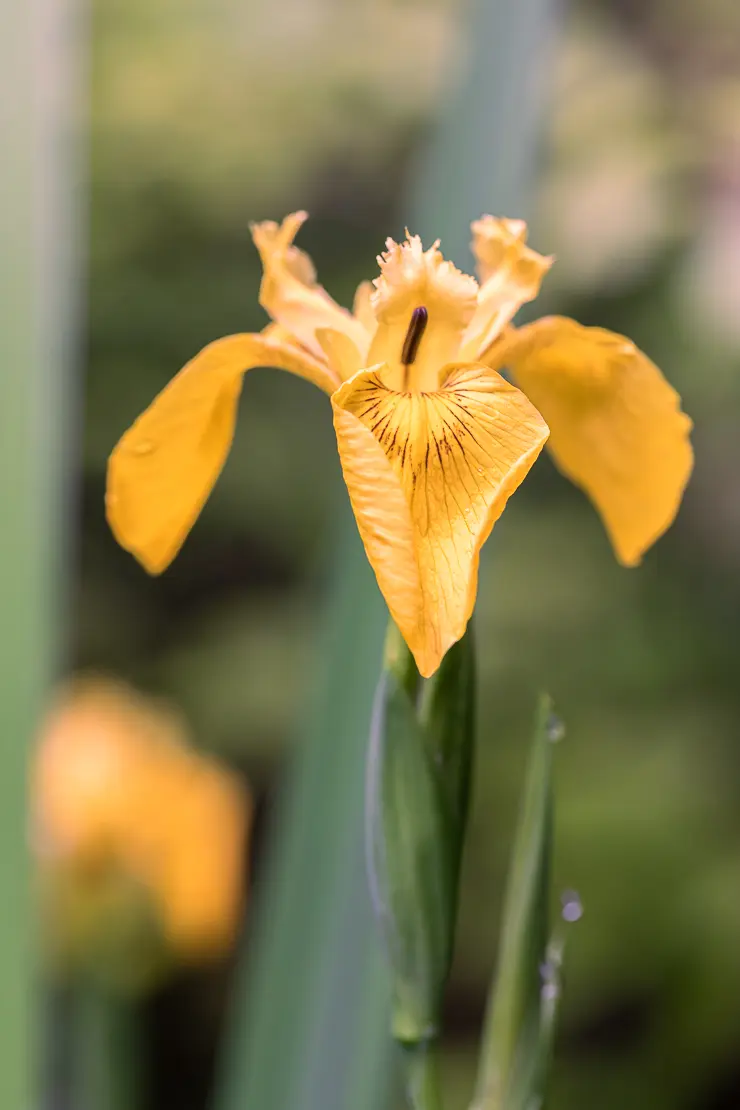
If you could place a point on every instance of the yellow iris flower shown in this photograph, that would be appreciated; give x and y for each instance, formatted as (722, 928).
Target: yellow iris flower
(432, 439)
(118, 793)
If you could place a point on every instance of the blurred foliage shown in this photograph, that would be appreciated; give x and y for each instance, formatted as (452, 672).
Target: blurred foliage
(207, 115)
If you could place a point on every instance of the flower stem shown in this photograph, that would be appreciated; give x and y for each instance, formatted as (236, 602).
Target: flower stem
(422, 1082)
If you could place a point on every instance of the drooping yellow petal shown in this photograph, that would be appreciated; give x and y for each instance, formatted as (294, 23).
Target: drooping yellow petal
(412, 278)
(290, 292)
(616, 425)
(428, 475)
(164, 467)
(511, 274)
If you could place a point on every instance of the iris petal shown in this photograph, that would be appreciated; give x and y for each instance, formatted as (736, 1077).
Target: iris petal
(511, 274)
(290, 292)
(362, 306)
(164, 467)
(428, 475)
(616, 425)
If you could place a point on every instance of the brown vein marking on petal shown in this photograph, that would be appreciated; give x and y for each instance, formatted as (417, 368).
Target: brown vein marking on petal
(457, 454)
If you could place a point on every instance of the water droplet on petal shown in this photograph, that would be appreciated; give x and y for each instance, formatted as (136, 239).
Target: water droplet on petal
(480, 469)
(572, 907)
(554, 728)
(144, 447)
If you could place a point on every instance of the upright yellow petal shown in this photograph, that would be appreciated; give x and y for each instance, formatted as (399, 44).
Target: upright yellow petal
(340, 353)
(291, 294)
(511, 274)
(164, 467)
(412, 278)
(616, 425)
(362, 307)
(428, 475)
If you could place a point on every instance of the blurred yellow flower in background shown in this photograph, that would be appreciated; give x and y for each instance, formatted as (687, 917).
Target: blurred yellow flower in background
(140, 840)
(432, 439)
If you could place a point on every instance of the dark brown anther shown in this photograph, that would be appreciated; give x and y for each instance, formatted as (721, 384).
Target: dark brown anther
(419, 318)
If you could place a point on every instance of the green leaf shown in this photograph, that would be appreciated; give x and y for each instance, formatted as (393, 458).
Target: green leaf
(310, 1024)
(492, 125)
(521, 1009)
(39, 64)
(407, 855)
(447, 715)
(418, 787)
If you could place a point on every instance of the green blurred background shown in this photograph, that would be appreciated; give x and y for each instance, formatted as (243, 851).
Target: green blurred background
(206, 114)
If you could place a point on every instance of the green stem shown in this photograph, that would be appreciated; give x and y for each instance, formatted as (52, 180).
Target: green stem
(107, 1060)
(422, 1079)
(400, 662)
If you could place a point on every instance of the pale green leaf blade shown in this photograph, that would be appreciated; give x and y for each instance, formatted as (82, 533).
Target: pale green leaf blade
(516, 1024)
